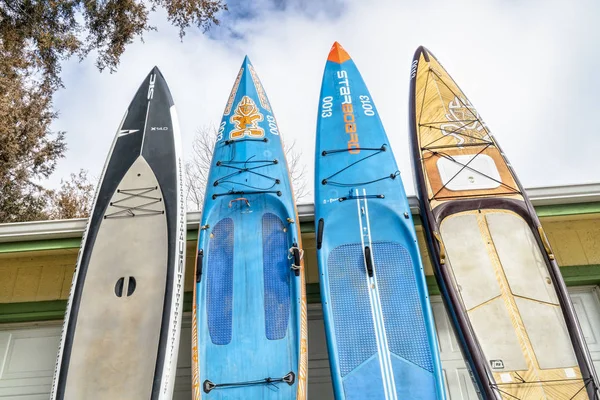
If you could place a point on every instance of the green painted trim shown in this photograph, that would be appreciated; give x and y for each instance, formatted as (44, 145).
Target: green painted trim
(51, 310)
(60, 244)
(192, 234)
(32, 311)
(187, 301)
(579, 275)
(37, 245)
(568, 209)
(417, 219)
(305, 227)
(432, 286)
(313, 293)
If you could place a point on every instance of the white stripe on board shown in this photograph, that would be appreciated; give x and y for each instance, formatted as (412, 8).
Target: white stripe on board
(386, 353)
(145, 123)
(376, 318)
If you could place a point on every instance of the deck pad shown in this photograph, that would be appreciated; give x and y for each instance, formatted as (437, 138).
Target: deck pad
(219, 295)
(519, 323)
(352, 312)
(121, 344)
(401, 305)
(276, 275)
(351, 307)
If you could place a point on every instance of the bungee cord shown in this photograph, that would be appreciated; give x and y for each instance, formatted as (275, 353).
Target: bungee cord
(375, 150)
(289, 378)
(127, 211)
(241, 167)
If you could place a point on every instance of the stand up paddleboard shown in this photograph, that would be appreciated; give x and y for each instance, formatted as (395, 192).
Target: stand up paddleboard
(494, 265)
(379, 325)
(249, 328)
(121, 332)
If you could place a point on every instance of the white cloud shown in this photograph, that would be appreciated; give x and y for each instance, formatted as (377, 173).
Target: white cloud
(529, 68)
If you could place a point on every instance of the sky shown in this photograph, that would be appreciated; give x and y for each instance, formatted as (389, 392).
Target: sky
(532, 70)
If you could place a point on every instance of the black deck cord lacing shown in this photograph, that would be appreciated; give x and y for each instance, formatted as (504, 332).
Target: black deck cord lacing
(463, 167)
(289, 378)
(458, 131)
(238, 170)
(429, 72)
(230, 141)
(368, 196)
(522, 381)
(130, 212)
(376, 150)
(251, 170)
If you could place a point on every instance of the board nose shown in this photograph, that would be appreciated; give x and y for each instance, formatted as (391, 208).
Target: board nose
(337, 54)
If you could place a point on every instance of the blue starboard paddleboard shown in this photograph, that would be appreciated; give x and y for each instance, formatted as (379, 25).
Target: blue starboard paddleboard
(249, 328)
(378, 321)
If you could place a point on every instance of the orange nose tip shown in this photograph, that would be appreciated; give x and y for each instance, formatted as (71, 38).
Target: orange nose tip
(337, 54)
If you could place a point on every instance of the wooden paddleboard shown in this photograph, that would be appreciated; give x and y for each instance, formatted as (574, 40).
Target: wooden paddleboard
(494, 265)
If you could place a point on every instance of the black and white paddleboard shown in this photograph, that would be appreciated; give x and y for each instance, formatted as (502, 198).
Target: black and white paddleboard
(121, 331)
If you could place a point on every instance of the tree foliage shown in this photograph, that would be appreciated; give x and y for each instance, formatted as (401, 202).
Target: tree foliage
(28, 149)
(196, 170)
(42, 33)
(36, 36)
(73, 199)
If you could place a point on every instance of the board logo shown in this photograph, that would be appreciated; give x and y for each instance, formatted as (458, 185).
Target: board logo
(462, 118)
(151, 87)
(233, 92)
(413, 69)
(262, 96)
(348, 112)
(245, 119)
(497, 364)
(123, 132)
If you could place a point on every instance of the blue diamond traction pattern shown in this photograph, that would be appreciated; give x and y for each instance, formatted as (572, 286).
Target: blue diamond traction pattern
(352, 317)
(276, 269)
(219, 294)
(402, 312)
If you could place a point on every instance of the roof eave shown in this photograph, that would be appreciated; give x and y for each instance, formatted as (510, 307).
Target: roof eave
(69, 228)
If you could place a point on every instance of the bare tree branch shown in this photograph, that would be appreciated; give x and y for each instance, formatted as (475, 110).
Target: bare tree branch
(297, 170)
(196, 170)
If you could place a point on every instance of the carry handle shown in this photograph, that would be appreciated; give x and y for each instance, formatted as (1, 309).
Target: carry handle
(199, 258)
(320, 233)
(545, 242)
(239, 199)
(442, 247)
(369, 261)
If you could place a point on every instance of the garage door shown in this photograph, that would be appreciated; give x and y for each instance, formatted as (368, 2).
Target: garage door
(27, 353)
(458, 383)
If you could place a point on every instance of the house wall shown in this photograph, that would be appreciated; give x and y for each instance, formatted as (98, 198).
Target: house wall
(41, 276)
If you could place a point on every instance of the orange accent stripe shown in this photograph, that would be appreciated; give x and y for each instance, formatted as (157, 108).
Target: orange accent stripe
(337, 54)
